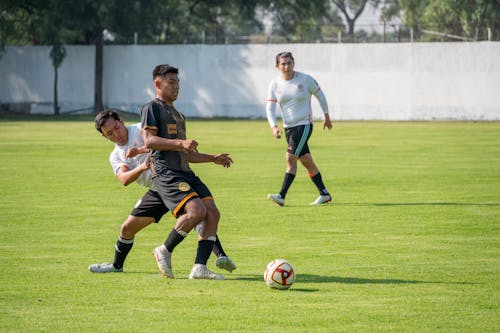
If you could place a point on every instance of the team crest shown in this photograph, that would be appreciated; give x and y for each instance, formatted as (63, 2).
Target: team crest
(184, 187)
(301, 87)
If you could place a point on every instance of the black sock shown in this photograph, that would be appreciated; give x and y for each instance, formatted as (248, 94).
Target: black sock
(122, 248)
(173, 239)
(287, 182)
(218, 250)
(318, 181)
(205, 247)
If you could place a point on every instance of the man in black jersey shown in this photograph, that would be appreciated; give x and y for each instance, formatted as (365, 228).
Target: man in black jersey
(184, 194)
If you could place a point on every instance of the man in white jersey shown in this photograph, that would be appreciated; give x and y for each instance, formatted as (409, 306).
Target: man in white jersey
(292, 91)
(130, 162)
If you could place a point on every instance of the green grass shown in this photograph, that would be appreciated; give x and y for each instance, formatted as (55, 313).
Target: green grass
(411, 244)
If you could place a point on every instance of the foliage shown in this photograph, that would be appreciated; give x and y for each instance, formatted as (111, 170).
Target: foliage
(468, 19)
(410, 244)
(300, 20)
(351, 9)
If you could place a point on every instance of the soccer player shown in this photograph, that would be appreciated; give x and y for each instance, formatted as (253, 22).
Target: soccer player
(130, 163)
(293, 90)
(184, 194)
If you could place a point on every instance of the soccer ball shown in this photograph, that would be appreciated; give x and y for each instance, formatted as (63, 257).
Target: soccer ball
(279, 274)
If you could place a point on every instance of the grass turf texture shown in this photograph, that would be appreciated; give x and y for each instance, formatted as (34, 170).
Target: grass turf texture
(411, 243)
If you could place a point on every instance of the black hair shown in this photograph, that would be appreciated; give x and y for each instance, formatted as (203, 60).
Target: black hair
(162, 70)
(103, 116)
(284, 55)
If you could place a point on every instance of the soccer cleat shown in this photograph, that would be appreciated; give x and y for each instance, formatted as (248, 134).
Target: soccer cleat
(163, 259)
(200, 271)
(276, 198)
(225, 263)
(104, 268)
(322, 199)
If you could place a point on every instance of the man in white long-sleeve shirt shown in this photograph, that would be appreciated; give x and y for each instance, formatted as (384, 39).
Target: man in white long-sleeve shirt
(292, 91)
(130, 163)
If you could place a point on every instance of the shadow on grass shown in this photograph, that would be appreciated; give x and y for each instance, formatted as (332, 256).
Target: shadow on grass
(396, 204)
(353, 280)
(421, 204)
(311, 278)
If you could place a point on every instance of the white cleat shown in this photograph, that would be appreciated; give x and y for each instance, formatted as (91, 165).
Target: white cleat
(322, 199)
(276, 198)
(225, 263)
(163, 259)
(104, 268)
(200, 271)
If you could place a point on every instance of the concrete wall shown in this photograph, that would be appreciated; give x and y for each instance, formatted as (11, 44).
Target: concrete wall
(419, 81)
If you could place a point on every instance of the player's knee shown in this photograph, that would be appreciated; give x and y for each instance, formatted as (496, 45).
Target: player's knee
(197, 212)
(126, 231)
(213, 214)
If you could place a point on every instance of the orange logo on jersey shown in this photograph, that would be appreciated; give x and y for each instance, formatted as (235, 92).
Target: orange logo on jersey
(184, 187)
(171, 129)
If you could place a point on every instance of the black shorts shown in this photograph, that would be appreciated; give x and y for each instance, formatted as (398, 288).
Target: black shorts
(150, 205)
(178, 187)
(297, 138)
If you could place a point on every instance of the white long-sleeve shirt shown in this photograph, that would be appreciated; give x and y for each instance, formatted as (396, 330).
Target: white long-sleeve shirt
(294, 98)
(117, 156)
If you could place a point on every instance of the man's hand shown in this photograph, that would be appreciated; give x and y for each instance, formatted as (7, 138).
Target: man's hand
(276, 132)
(189, 145)
(223, 159)
(132, 152)
(327, 123)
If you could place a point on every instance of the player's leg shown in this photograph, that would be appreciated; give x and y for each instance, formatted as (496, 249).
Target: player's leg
(206, 241)
(129, 228)
(125, 241)
(315, 175)
(193, 211)
(295, 137)
(147, 210)
(222, 259)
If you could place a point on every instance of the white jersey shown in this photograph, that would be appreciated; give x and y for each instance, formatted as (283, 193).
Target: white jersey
(294, 98)
(117, 156)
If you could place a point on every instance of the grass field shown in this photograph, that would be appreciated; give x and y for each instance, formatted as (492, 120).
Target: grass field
(411, 243)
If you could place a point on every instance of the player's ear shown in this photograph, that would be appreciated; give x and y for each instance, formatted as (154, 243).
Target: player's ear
(157, 83)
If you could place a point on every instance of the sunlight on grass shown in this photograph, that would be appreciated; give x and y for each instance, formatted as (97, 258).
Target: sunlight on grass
(410, 244)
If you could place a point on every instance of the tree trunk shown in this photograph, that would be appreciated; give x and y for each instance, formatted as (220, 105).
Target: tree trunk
(56, 104)
(99, 46)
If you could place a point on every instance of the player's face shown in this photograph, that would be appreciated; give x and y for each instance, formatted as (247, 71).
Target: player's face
(285, 66)
(168, 87)
(115, 131)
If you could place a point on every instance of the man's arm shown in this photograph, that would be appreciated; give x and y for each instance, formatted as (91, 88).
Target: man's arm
(320, 96)
(221, 159)
(126, 176)
(133, 152)
(154, 142)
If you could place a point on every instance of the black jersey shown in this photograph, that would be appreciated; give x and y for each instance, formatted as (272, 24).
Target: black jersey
(170, 124)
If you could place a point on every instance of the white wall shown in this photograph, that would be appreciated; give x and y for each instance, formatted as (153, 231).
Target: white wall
(418, 81)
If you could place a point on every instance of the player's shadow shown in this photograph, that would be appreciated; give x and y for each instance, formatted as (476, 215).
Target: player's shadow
(311, 278)
(438, 203)
(395, 204)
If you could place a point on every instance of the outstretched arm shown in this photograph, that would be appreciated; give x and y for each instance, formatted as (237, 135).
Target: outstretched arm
(222, 159)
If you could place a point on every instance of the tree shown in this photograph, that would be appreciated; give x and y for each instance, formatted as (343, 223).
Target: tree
(91, 17)
(36, 21)
(467, 19)
(300, 20)
(351, 10)
(57, 54)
